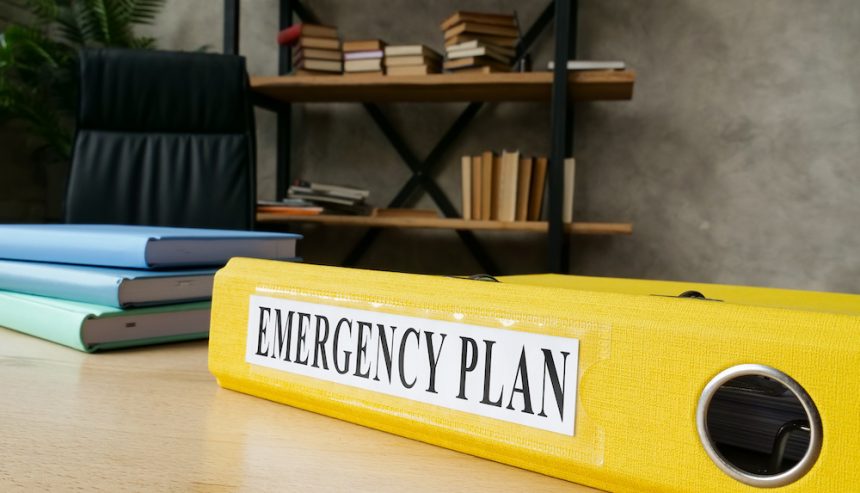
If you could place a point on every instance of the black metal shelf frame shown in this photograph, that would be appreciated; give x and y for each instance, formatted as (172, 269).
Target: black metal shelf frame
(562, 130)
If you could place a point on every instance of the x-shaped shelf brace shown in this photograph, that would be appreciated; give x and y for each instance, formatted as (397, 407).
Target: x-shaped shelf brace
(422, 171)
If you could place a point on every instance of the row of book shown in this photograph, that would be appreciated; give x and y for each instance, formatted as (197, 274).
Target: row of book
(317, 50)
(96, 287)
(510, 187)
(475, 42)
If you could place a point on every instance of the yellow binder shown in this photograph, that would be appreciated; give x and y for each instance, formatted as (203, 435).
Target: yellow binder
(616, 384)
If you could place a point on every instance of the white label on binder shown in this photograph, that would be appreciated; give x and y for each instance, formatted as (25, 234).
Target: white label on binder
(518, 377)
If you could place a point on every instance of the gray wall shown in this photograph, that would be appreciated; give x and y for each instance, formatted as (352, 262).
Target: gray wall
(737, 160)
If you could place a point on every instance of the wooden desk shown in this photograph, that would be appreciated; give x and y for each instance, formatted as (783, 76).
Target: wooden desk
(153, 419)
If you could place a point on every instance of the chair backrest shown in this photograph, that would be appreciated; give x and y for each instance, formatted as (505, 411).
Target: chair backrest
(163, 139)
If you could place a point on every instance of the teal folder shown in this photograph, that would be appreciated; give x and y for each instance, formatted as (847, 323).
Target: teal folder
(89, 328)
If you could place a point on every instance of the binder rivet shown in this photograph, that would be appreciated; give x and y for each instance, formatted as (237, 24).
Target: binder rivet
(736, 391)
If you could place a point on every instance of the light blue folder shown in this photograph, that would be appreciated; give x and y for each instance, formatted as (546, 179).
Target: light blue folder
(140, 247)
(107, 286)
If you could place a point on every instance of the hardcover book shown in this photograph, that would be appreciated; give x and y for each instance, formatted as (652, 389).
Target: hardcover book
(139, 247)
(88, 327)
(115, 287)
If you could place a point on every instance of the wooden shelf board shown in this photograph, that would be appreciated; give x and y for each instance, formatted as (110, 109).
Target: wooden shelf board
(518, 86)
(582, 228)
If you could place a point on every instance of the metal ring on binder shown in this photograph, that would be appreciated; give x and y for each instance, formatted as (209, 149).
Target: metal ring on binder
(765, 481)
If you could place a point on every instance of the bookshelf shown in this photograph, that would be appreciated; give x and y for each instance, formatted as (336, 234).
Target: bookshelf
(579, 228)
(608, 85)
(558, 88)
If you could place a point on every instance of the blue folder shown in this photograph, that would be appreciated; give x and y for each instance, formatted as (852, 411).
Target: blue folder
(140, 247)
(105, 286)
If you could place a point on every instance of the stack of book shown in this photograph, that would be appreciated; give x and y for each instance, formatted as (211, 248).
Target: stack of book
(412, 60)
(480, 42)
(363, 57)
(289, 207)
(333, 198)
(316, 49)
(509, 187)
(97, 287)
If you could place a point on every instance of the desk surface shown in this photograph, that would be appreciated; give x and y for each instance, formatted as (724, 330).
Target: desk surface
(154, 419)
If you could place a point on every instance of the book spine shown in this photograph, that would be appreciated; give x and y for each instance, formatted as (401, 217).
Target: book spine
(466, 186)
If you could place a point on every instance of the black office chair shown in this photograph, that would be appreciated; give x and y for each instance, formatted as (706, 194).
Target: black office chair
(163, 139)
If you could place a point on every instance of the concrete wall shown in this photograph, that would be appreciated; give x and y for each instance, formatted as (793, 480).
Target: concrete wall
(737, 159)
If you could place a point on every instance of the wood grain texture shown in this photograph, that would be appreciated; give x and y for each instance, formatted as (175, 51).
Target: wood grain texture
(154, 419)
(581, 228)
(523, 86)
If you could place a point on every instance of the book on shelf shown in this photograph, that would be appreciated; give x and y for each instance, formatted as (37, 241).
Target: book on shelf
(292, 34)
(369, 65)
(474, 44)
(477, 189)
(486, 185)
(475, 39)
(411, 50)
(413, 70)
(494, 19)
(412, 60)
(524, 180)
(482, 70)
(362, 55)
(363, 45)
(316, 49)
(472, 62)
(495, 183)
(538, 186)
(466, 185)
(300, 53)
(333, 198)
(482, 51)
(507, 187)
(508, 174)
(477, 28)
(567, 195)
(370, 74)
(288, 210)
(590, 65)
(328, 66)
(502, 41)
(342, 190)
(320, 43)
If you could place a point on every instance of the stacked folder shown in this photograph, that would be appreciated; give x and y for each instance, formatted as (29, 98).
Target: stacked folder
(94, 287)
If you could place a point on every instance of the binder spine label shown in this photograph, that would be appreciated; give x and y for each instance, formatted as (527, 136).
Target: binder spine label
(518, 377)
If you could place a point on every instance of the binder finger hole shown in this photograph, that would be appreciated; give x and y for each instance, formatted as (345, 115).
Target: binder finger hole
(759, 425)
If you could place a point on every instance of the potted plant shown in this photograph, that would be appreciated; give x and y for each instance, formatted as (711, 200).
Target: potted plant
(38, 72)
